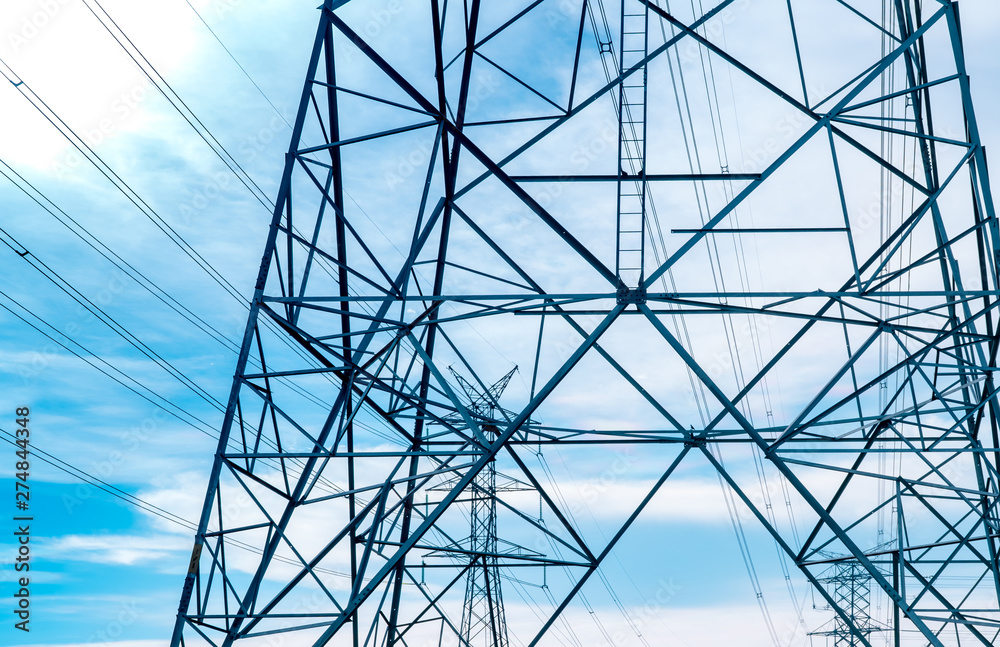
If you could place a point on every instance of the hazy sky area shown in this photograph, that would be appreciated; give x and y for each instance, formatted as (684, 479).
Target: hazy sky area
(131, 388)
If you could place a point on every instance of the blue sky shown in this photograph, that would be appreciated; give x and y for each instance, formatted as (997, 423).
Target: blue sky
(104, 571)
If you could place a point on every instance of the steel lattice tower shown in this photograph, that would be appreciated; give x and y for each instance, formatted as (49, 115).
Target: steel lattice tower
(483, 620)
(487, 184)
(850, 585)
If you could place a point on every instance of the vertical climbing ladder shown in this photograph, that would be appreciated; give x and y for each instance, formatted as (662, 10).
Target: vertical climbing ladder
(634, 43)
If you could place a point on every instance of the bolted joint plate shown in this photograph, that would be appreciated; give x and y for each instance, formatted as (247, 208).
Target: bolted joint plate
(631, 295)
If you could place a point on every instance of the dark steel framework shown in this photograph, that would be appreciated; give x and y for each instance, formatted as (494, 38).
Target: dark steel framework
(448, 199)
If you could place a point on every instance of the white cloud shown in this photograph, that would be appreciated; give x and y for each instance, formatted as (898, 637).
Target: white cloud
(122, 643)
(118, 549)
(666, 620)
(680, 500)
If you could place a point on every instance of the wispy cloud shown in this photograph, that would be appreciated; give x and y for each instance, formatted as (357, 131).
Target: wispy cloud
(118, 549)
(123, 643)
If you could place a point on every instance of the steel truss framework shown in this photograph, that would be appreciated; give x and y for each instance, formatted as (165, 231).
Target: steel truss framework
(850, 585)
(337, 503)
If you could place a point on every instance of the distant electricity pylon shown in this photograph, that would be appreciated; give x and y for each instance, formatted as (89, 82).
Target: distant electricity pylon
(850, 585)
(483, 620)
(748, 241)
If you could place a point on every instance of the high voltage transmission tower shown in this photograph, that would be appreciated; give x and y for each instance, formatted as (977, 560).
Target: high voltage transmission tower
(483, 614)
(850, 585)
(748, 239)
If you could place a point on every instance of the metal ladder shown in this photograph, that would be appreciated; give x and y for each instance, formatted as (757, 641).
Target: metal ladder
(631, 243)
